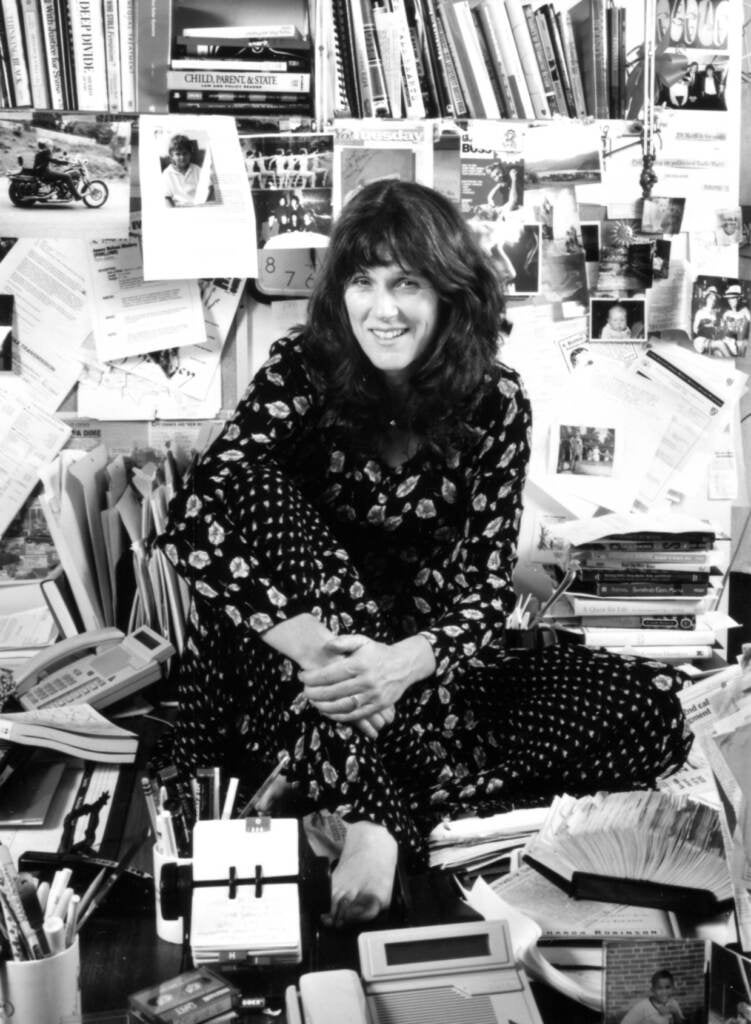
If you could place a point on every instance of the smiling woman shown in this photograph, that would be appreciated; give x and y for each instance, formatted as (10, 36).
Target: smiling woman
(350, 540)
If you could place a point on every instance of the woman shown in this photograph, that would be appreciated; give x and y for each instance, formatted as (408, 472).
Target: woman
(350, 540)
(707, 320)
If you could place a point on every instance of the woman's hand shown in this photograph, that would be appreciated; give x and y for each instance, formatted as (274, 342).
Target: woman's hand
(367, 679)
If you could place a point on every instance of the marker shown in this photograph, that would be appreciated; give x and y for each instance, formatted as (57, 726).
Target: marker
(54, 930)
(43, 892)
(229, 799)
(93, 888)
(59, 884)
(8, 884)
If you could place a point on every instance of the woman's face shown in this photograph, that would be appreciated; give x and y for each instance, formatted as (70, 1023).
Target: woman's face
(393, 314)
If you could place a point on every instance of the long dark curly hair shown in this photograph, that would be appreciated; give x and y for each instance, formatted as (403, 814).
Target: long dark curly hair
(422, 231)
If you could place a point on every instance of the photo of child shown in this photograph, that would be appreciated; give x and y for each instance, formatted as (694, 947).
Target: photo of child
(657, 981)
(187, 178)
(619, 320)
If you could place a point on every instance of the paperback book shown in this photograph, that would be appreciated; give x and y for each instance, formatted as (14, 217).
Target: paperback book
(77, 730)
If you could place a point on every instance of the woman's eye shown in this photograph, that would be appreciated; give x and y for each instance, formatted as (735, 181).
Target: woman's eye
(408, 284)
(359, 281)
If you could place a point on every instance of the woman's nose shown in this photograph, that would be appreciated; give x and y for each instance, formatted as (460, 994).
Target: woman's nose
(384, 303)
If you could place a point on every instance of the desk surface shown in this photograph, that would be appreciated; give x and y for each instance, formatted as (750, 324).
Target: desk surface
(121, 953)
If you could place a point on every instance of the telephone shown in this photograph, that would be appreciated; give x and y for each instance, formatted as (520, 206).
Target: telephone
(327, 997)
(459, 973)
(97, 668)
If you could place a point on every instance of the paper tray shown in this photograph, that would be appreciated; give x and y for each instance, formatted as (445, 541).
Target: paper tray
(678, 898)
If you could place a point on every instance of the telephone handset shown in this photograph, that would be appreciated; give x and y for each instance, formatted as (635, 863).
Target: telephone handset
(97, 668)
(327, 997)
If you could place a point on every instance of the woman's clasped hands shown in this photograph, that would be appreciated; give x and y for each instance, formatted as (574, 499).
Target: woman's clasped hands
(363, 680)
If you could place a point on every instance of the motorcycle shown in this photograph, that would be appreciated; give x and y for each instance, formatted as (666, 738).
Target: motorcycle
(26, 188)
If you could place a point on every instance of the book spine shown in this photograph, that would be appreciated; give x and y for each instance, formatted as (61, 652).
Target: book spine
(112, 54)
(548, 12)
(511, 105)
(361, 59)
(264, 104)
(639, 576)
(6, 81)
(376, 78)
(543, 65)
(239, 81)
(17, 54)
(452, 34)
(389, 49)
(36, 59)
(511, 64)
(494, 69)
(223, 46)
(566, 32)
(642, 637)
(458, 101)
(66, 54)
(528, 59)
(477, 61)
(549, 52)
(87, 31)
(646, 589)
(616, 60)
(598, 19)
(599, 606)
(645, 622)
(414, 106)
(642, 558)
(52, 46)
(127, 61)
(664, 652)
(348, 100)
(423, 26)
(262, 67)
(153, 51)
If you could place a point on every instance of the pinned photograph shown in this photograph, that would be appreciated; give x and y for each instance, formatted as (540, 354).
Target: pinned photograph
(563, 274)
(64, 175)
(585, 451)
(662, 215)
(617, 320)
(655, 980)
(186, 168)
(721, 316)
(729, 227)
(290, 179)
(729, 990)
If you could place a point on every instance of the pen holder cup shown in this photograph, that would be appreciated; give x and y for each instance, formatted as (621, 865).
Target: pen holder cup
(46, 991)
(169, 931)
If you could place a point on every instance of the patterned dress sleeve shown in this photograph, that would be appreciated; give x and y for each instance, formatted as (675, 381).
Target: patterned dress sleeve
(210, 539)
(478, 573)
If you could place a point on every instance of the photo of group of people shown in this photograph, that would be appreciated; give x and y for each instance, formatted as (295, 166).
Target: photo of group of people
(693, 39)
(721, 318)
(290, 182)
(587, 451)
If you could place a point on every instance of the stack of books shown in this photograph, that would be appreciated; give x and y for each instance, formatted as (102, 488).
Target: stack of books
(645, 589)
(233, 60)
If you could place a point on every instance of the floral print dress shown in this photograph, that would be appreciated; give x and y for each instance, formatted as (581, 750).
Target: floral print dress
(282, 516)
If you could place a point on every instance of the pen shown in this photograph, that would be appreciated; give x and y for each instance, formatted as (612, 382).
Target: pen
(93, 888)
(264, 787)
(148, 794)
(30, 903)
(71, 919)
(43, 892)
(101, 896)
(168, 844)
(8, 883)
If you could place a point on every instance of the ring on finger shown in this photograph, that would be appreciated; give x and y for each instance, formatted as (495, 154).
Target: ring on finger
(355, 701)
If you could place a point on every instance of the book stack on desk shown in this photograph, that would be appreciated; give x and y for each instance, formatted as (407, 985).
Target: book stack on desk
(645, 587)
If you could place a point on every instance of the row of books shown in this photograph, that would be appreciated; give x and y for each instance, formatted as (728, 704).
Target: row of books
(647, 588)
(413, 58)
(115, 55)
(479, 58)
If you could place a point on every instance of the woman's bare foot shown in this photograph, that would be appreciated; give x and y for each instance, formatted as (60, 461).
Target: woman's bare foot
(363, 880)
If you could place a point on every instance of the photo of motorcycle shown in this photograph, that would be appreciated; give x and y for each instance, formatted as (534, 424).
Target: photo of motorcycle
(25, 188)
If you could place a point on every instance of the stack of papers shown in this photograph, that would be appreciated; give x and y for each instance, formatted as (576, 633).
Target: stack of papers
(256, 924)
(469, 844)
